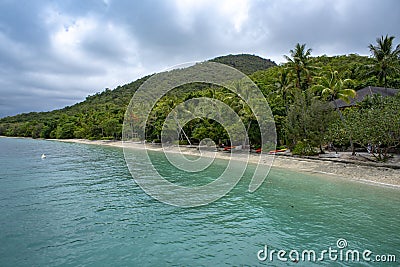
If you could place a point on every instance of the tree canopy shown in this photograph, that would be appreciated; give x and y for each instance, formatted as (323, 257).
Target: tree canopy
(299, 93)
(386, 59)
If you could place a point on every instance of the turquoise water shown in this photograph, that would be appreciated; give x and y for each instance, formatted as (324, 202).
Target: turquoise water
(81, 207)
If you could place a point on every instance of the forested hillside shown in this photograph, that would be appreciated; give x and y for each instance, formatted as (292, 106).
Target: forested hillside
(300, 93)
(100, 116)
(247, 64)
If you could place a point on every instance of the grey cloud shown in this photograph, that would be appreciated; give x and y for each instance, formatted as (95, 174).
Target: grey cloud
(21, 21)
(344, 26)
(39, 72)
(29, 103)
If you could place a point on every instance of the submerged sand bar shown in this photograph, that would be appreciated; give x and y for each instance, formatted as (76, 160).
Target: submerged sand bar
(340, 166)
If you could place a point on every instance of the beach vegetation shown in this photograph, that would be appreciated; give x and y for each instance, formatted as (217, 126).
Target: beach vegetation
(307, 122)
(300, 93)
(373, 125)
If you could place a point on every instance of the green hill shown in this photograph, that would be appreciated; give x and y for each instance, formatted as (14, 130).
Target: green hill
(246, 63)
(101, 115)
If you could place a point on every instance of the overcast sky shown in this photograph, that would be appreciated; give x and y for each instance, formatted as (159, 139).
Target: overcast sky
(55, 53)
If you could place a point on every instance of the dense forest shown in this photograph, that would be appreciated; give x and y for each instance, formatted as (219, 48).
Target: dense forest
(300, 93)
(247, 64)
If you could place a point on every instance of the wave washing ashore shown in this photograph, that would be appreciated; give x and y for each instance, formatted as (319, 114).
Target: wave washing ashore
(342, 167)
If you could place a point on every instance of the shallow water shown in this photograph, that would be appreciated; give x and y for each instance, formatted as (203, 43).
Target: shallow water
(80, 206)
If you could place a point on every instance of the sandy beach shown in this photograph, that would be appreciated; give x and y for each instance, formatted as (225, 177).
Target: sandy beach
(341, 166)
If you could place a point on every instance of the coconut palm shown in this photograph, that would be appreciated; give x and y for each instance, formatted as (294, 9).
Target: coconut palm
(386, 58)
(285, 87)
(332, 87)
(299, 63)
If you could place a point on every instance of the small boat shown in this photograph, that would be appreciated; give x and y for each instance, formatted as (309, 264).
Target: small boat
(43, 156)
(272, 152)
(229, 148)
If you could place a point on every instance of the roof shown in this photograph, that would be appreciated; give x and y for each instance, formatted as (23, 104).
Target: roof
(363, 93)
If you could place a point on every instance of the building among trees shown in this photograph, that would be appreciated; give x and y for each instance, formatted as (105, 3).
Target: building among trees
(362, 94)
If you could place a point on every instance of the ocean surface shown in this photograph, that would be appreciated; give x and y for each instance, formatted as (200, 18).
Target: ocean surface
(81, 207)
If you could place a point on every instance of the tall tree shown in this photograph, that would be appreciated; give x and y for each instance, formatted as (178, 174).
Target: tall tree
(386, 58)
(332, 87)
(375, 125)
(306, 124)
(285, 87)
(299, 62)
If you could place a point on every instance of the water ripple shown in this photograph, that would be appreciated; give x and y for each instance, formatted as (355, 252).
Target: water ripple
(81, 207)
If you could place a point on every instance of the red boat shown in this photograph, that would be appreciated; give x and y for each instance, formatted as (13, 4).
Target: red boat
(229, 148)
(272, 152)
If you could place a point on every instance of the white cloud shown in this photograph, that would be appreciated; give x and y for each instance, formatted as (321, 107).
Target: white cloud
(232, 12)
(99, 48)
(56, 53)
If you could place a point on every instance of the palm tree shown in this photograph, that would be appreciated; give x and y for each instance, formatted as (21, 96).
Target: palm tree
(299, 62)
(332, 87)
(386, 58)
(285, 86)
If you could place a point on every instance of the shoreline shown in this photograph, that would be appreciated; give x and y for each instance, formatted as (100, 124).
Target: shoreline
(367, 173)
(343, 168)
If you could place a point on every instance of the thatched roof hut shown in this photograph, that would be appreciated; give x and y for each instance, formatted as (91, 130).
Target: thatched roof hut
(363, 93)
